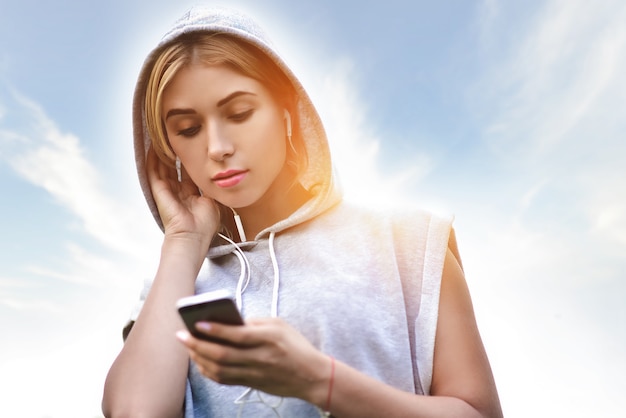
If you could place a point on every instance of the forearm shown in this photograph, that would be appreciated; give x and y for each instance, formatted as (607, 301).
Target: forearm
(357, 395)
(148, 377)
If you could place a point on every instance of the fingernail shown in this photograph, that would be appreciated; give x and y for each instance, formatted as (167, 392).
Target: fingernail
(203, 326)
(182, 335)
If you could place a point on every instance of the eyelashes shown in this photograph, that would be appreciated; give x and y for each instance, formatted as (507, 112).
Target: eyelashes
(192, 131)
(241, 116)
(189, 132)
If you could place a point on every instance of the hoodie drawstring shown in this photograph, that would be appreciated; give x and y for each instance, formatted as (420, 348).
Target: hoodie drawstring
(276, 276)
(242, 284)
(244, 275)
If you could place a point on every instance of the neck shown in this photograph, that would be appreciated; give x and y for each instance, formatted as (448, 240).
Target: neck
(275, 207)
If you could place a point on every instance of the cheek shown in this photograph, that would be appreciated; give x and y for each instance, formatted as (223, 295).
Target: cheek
(274, 153)
(176, 146)
(274, 140)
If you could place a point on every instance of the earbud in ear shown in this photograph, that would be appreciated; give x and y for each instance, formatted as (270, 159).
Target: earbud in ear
(288, 122)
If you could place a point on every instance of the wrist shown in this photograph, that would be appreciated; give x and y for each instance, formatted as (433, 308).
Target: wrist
(186, 250)
(186, 243)
(321, 391)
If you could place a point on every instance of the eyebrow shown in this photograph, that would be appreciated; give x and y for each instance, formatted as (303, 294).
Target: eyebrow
(175, 112)
(232, 96)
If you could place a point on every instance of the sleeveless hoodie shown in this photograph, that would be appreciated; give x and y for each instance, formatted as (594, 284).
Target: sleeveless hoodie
(360, 285)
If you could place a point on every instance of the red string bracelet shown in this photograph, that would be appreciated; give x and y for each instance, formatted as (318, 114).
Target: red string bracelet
(330, 384)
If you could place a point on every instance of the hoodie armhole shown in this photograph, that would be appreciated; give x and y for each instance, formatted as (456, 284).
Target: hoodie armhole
(439, 238)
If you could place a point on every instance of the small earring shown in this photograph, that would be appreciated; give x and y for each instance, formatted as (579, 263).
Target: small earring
(288, 123)
(179, 172)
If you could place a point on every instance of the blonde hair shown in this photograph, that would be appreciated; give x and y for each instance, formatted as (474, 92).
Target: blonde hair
(219, 49)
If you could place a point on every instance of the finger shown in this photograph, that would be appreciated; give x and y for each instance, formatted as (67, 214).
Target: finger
(227, 364)
(151, 164)
(266, 321)
(254, 368)
(269, 329)
(156, 170)
(166, 172)
(185, 187)
(210, 359)
(188, 187)
(227, 373)
(236, 335)
(163, 176)
(211, 354)
(219, 351)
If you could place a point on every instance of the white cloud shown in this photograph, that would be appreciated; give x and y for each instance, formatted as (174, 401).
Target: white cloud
(104, 270)
(70, 370)
(569, 56)
(546, 269)
(555, 109)
(355, 143)
(56, 161)
(21, 304)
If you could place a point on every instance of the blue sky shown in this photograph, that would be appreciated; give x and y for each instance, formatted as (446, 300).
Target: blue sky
(509, 115)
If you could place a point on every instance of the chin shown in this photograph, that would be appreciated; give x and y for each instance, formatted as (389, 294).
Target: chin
(237, 203)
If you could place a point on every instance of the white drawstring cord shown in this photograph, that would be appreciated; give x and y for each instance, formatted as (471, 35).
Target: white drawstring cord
(242, 284)
(242, 402)
(276, 276)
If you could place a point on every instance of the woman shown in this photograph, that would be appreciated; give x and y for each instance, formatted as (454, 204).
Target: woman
(347, 312)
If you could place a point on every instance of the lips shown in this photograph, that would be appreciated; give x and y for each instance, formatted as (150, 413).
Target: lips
(229, 178)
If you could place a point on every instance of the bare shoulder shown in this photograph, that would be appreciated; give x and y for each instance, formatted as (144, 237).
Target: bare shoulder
(461, 367)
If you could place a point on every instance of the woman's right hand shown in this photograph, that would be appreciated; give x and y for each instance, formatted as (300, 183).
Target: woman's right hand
(184, 212)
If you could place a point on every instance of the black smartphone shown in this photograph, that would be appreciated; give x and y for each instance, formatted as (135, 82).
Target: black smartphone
(216, 306)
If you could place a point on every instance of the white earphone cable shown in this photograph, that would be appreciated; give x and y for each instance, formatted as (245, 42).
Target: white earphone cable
(244, 275)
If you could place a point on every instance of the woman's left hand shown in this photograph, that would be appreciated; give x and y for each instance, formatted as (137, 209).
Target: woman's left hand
(265, 354)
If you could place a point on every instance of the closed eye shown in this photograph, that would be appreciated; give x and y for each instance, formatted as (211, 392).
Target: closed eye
(242, 116)
(189, 132)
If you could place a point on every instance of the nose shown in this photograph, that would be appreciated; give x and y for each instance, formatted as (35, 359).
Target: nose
(219, 146)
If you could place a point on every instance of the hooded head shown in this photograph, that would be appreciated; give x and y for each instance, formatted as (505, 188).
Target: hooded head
(216, 36)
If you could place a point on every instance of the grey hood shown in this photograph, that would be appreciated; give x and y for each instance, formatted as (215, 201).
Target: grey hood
(318, 179)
